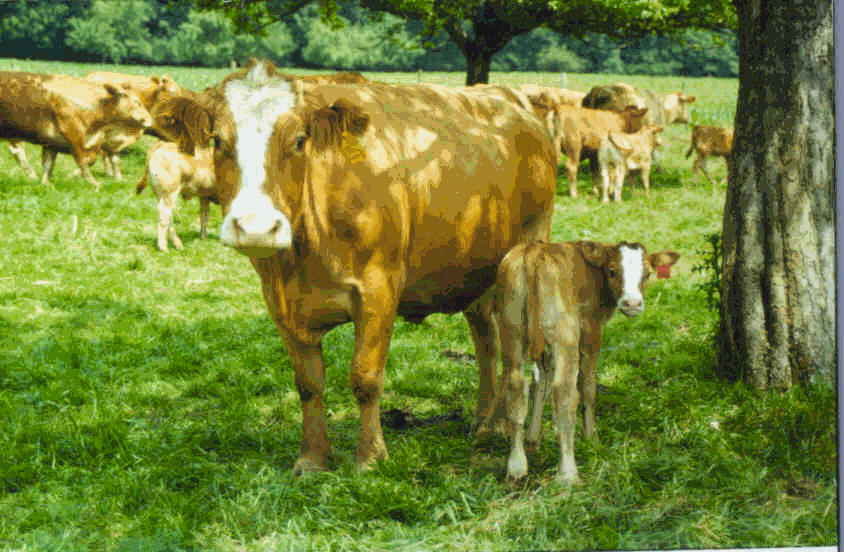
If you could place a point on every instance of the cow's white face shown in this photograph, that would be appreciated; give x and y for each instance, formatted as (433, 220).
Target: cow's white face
(633, 272)
(252, 223)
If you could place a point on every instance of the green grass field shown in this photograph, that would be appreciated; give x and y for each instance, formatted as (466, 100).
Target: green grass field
(147, 403)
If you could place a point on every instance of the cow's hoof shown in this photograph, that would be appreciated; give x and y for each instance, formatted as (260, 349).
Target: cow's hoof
(568, 479)
(307, 464)
(517, 467)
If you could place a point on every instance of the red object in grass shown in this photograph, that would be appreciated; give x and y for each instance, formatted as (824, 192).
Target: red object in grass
(663, 271)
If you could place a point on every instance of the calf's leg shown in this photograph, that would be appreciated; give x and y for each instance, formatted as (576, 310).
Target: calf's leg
(514, 388)
(204, 207)
(564, 388)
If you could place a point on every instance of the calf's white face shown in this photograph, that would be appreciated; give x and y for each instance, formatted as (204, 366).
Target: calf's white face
(252, 224)
(631, 301)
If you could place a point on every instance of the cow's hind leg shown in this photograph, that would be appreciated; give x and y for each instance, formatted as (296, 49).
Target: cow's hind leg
(19, 153)
(484, 328)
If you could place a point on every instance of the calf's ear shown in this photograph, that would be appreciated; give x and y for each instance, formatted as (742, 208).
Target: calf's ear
(662, 262)
(593, 253)
(352, 117)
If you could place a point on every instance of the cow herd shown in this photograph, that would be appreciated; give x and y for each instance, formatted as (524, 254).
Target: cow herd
(358, 201)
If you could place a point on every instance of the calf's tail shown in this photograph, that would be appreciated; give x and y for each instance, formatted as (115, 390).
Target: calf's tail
(143, 183)
(534, 306)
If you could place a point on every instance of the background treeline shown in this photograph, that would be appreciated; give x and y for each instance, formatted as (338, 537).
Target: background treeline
(155, 32)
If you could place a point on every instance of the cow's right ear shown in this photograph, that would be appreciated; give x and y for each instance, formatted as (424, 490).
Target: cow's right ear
(593, 253)
(114, 90)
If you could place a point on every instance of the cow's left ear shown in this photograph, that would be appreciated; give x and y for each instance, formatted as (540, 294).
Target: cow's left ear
(352, 118)
(593, 253)
(689, 99)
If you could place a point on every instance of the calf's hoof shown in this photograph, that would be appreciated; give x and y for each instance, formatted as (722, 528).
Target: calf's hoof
(309, 464)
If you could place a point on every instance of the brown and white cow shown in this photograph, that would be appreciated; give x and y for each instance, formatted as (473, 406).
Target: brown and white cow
(553, 300)
(364, 203)
(171, 174)
(65, 115)
(621, 153)
(706, 141)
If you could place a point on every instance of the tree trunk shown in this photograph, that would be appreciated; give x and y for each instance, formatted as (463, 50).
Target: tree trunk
(478, 70)
(778, 288)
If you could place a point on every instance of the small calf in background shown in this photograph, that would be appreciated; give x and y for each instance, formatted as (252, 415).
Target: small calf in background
(620, 153)
(172, 173)
(706, 141)
(553, 300)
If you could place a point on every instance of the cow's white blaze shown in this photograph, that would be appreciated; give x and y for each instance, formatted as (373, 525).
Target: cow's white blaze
(253, 224)
(631, 274)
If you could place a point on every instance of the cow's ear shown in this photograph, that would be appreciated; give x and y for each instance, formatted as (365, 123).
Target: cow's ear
(593, 253)
(352, 118)
(690, 99)
(541, 101)
(113, 90)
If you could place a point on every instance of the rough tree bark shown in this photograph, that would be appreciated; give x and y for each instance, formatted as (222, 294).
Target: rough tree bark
(778, 287)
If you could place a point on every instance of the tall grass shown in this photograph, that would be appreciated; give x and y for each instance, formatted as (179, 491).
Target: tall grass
(146, 402)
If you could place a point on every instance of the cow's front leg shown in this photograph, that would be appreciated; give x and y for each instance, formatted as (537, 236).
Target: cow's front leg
(376, 313)
(204, 208)
(484, 330)
(48, 161)
(315, 453)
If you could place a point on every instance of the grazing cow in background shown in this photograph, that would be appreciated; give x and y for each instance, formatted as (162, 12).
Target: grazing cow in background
(553, 300)
(363, 203)
(706, 141)
(561, 96)
(65, 115)
(171, 174)
(662, 110)
(620, 153)
(616, 97)
(150, 90)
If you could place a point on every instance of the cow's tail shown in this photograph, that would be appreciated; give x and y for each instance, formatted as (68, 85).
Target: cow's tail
(143, 183)
(694, 142)
(534, 305)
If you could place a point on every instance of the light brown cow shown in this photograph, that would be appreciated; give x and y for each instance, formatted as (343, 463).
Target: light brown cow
(663, 110)
(553, 300)
(581, 131)
(561, 96)
(706, 141)
(615, 97)
(64, 114)
(621, 153)
(363, 203)
(172, 174)
(150, 90)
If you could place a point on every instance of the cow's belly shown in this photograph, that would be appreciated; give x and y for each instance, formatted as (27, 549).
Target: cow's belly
(446, 291)
(46, 137)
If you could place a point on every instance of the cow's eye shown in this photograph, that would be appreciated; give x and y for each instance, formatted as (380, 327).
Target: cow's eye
(612, 273)
(300, 142)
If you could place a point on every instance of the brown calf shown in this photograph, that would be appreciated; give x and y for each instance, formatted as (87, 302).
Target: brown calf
(553, 300)
(706, 141)
(621, 153)
(171, 174)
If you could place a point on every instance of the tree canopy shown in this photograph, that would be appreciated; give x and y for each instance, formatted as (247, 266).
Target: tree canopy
(483, 28)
